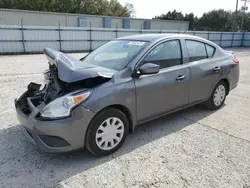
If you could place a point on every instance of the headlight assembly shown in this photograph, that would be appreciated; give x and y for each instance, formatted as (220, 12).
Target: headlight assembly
(61, 107)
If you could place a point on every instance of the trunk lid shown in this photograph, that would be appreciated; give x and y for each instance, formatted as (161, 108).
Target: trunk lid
(230, 52)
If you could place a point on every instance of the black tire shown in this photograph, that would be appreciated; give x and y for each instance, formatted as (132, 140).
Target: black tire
(90, 140)
(210, 104)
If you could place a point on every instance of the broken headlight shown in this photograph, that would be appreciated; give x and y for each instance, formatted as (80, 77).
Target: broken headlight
(61, 107)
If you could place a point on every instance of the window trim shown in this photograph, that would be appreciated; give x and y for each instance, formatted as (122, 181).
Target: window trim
(198, 42)
(140, 62)
(206, 44)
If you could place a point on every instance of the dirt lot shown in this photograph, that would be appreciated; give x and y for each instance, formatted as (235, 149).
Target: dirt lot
(192, 148)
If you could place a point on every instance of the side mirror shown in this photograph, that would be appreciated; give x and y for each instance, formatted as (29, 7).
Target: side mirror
(149, 68)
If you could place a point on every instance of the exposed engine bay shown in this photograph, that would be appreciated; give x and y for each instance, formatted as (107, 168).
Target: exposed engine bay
(54, 87)
(63, 76)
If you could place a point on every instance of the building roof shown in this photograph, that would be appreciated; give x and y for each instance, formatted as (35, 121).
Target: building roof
(89, 15)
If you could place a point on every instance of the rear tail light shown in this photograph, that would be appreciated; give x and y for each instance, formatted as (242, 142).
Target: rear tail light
(235, 60)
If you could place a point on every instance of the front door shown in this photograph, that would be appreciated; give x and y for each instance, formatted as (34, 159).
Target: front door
(167, 90)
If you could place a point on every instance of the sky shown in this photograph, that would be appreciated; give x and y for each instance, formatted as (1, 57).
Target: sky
(151, 8)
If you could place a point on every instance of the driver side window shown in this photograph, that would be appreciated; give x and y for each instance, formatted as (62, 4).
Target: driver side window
(166, 54)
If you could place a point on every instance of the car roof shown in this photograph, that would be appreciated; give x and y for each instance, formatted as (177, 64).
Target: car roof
(158, 36)
(151, 37)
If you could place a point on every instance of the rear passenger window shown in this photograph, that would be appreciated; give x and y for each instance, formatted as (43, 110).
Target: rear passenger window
(210, 51)
(196, 50)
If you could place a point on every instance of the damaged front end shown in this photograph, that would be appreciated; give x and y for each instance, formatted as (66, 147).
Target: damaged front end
(67, 84)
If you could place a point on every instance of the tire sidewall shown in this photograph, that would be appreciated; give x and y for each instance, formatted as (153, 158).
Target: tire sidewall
(90, 141)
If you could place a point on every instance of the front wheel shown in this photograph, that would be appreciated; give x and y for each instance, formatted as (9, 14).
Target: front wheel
(107, 132)
(218, 96)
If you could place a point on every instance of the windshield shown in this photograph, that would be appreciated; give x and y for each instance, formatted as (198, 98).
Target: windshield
(115, 54)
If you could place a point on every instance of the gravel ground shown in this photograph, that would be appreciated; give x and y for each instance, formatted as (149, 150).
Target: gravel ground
(192, 148)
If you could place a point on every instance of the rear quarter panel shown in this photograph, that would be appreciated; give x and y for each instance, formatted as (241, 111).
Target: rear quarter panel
(233, 74)
(229, 70)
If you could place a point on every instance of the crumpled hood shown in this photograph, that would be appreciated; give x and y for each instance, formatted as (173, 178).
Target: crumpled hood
(72, 70)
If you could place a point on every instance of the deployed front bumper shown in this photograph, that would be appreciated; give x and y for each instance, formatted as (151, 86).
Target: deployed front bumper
(54, 135)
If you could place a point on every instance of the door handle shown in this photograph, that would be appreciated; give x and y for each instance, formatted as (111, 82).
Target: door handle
(180, 78)
(216, 69)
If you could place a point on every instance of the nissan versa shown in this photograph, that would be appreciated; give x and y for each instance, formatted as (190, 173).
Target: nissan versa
(96, 101)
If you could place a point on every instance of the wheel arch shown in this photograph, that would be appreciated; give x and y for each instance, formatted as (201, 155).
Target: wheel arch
(226, 81)
(123, 109)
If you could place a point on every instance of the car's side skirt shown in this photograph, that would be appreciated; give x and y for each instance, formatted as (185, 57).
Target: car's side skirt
(170, 112)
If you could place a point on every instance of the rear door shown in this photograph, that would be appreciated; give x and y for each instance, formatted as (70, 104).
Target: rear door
(167, 90)
(204, 69)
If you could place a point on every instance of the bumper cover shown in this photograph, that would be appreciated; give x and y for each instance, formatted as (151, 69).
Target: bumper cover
(71, 130)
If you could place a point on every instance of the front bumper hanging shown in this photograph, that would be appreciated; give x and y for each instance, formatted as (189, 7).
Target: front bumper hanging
(55, 135)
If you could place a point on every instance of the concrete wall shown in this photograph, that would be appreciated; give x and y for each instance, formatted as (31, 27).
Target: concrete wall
(34, 18)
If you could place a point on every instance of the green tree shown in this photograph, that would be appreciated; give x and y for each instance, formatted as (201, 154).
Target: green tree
(131, 9)
(97, 7)
(171, 15)
(238, 17)
(174, 15)
(215, 20)
(192, 20)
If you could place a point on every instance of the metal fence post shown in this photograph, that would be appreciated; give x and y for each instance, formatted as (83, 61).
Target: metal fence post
(194, 33)
(60, 38)
(221, 38)
(208, 35)
(23, 42)
(66, 20)
(242, 39)
(141, 29)
(116, 31)
(90, 36)
(232, 42)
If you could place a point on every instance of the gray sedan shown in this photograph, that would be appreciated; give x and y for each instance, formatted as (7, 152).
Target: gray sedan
(96, 101)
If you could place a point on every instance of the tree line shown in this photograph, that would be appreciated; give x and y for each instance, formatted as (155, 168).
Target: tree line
(215, 20)
(94, 7)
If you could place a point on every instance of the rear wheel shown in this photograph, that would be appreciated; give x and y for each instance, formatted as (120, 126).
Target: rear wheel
(218, 96)
(107, 132)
